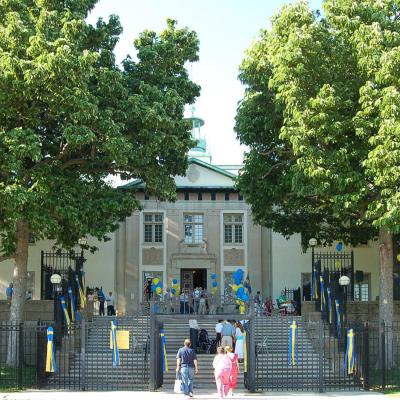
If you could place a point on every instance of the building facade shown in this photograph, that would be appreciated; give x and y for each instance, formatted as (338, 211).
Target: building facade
(208, 230)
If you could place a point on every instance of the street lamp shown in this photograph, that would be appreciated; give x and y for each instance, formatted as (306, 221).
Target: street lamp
(55, 279)
(312, 242)
(344, 282)
(82, 241)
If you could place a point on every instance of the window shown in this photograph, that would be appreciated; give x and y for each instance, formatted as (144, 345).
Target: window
(153, 228)
(186, 195)
(361, 289)
(213, 196)
(226, 196)
(233, 228)
(193, 227)
(146, 197)
(148, 277)
(240, 197)
(199, 196)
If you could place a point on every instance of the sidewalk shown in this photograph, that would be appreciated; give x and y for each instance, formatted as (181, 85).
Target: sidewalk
(203, 395)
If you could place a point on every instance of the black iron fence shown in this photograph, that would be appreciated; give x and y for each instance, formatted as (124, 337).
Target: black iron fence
(83, 356)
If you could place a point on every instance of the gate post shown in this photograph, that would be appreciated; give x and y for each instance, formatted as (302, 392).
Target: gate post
(366, 356)
(83, 354)
(321, 356)
(153, 352)
(251, 356)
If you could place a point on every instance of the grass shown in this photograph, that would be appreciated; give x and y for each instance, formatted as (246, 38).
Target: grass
(15, 379)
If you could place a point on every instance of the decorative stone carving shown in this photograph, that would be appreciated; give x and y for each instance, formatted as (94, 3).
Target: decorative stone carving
(152, 256)
(234, 257)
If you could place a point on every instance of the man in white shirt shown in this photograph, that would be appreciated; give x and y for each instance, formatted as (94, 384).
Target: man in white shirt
(218, 330)
(110, 304)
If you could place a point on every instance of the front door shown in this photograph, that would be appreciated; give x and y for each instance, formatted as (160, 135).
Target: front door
(192, 278)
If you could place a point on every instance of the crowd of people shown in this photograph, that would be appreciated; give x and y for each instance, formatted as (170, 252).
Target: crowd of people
(98, 298)
(225, 364)
(229, 348)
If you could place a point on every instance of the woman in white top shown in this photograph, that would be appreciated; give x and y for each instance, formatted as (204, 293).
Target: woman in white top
(239, 346)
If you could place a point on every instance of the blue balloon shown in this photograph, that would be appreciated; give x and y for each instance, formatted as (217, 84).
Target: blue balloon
(245, 297)
(153, 288)
(173, 291)
(240, 292)
(174, 281)
(214, 284)
(159, 284)
(339, 246)
(213, 276)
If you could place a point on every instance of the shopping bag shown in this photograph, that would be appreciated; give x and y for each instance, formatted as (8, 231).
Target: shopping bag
(178, 384)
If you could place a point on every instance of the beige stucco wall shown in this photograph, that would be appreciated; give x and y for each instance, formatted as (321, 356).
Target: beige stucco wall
(289, 262)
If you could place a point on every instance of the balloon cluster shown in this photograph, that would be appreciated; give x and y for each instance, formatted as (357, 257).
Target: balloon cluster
(339, 247)
(214, 284)
(156, 286)
(175, 286)
(240, 291)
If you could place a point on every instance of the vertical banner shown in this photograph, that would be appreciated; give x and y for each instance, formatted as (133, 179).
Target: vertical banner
(314, 285)
(115, 351)
(322, 293)
(244, 351)
(328, 291)
(164, 352)
(337, 306)
(50, 354)
(350, 358)
(81, 295)
(65, 312)
(83, 282)
(72, 301)
(292, 350)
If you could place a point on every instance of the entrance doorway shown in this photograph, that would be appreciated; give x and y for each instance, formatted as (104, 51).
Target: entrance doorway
(192, 278)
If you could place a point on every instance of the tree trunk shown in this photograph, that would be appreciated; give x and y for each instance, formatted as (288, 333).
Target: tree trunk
(386, 290)
(19, 291)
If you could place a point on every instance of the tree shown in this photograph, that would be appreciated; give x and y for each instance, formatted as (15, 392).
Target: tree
(320, 117)
(70, 116)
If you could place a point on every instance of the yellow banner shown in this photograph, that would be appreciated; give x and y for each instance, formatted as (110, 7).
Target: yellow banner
(122, 340)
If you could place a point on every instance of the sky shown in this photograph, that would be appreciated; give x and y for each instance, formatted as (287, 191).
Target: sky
(226, 28)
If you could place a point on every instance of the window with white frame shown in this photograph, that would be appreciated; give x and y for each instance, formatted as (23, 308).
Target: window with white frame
(153, 227)
(233, 228)
(193, 228)
(361, 289)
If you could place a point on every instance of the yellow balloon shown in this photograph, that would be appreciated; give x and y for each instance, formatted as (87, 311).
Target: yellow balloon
(214, 290)
(235, 288)
(398, 257)
(155, 281)
(158, 290)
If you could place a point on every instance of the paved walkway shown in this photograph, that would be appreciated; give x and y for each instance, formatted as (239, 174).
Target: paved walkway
(57, 395)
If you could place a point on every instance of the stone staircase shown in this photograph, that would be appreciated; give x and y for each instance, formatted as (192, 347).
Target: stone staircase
(175, 334)
(99, 372)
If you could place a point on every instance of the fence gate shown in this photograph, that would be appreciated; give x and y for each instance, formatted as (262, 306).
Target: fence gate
(319, 357)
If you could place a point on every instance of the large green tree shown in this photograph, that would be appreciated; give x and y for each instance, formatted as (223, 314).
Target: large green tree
(70, 117)
(320, 116)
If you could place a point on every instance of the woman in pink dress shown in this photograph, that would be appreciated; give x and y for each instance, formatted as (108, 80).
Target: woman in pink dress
(234, 370)
(222, 369)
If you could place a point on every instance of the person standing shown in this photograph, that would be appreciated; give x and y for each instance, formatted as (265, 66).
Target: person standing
(218, 330)
(222, 369)
(196, 299)
(202, 305)
(228, 334)
(258, 303)
(186, 364)
(9, 292)
(233, 377)
(102, 299)
(194, 333)
(239, 348)
(110, 304)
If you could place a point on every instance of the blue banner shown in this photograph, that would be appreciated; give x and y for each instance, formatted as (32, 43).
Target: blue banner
(72, 302)
(350, 358)
(164, 352)
(80, 291)
(337, 306)
(328, 291)
(65, 312)
(322, 292)
(115, 351)
(292, 345)
(50, 355)
(314, 285)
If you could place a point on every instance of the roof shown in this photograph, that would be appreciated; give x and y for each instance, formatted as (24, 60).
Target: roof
(138, 183)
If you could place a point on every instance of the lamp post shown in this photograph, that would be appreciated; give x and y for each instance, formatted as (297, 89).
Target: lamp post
(55, 279)
(82, 241)
(312, 243)
(344, 282)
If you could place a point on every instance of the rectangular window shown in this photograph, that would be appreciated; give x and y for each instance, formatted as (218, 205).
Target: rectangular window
(226, 196)
(153, 228)
(233, 228)
(199, 196)
(240, 197)
(361, 289)
(193, 228)
(186, 195)
(213, 196)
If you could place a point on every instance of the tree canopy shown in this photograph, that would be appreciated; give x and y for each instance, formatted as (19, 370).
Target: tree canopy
(70, 116)
(320, 117)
